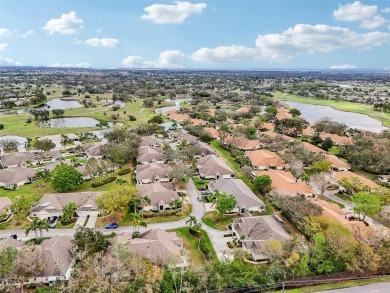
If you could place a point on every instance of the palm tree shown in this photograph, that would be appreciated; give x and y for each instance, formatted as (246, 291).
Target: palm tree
(134, 203)
(33, 227)
(194, 223)
(144, 201)
(137, 221)
(43, 225)
(64, 139)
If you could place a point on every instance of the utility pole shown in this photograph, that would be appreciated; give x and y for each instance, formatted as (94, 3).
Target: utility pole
(283, 287)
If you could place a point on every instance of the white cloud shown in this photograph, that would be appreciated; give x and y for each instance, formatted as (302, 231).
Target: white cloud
(344, 66)
(374, 22)
(3, 46)
(301, 39)
(224, 54)
(355, 11)
(174, 14)
(4, 32)
(4, 61)
(67, 24)
(70, 65)
(104, 42)
(27, 33)
(167, 59)
(386, 10)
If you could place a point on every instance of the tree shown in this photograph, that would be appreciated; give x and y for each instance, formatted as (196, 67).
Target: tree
(116, 200)
(262, 183)
(148, 103)
(224, 203)
(88, 242)
(137, 221)
(65, 178)
(58, 113)
(366, 204)
(327, 143)
(321, 181)
(320, 166)
(316, 139)
(64, 139)
(9, 144)
(194, 223)
(68, 213)
(38, 224)
(272, 249)
(8, 258)
(156, 119)
(295, 112)
(134, 204)
(44, 146)
(144, 201)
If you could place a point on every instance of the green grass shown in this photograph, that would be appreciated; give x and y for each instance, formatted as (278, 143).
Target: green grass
(340, 105)
(159, 218)
(200, 182)
(191, 244)
(325, 287)
(211, 220)
(334, 150)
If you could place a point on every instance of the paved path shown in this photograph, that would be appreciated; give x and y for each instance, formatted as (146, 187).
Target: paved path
(373, 288)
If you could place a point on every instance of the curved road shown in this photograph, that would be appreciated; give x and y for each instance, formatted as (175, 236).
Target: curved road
(198, 210)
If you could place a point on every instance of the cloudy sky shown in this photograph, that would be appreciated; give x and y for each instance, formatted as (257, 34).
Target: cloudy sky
(223, 34)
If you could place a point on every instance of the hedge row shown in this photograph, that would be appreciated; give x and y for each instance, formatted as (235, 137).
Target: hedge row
(105, 181)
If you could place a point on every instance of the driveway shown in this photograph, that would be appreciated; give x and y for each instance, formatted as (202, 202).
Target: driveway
(198, 210)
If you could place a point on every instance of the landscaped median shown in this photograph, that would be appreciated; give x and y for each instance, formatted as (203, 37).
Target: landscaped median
(199, 247)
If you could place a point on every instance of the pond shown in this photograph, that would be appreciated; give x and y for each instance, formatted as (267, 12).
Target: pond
(313, 113)
(74, 122)
(62, 104)
(176, 107)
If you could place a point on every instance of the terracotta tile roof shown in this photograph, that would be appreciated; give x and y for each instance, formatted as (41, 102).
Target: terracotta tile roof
(312, 147)
(272, 134)
(198, 121)
(285, 183)
(212, 132)
(264, 158)
(336, 162)
(283, 114)
(243, 110)
(337, 139)
(268, 125)
(350, 175)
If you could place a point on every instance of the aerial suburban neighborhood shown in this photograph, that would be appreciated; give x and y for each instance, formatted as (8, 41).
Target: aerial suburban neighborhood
(188, 147)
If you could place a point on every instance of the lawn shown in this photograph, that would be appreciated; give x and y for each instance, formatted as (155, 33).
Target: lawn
(238, 172)
(340, 105)
(211, 220)
(191, 244)
(200, 182)
(159, 218)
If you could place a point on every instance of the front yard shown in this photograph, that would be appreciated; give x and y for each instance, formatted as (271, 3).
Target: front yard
(211, 220)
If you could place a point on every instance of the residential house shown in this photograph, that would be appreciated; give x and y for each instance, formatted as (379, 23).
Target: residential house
(337, 139)
(149, 154)
(211, 167)
(179, 136)
(337, 176)
(160, 195)
(19, 159)
(212, 132)
(308, 131)
(149, 141)
(275, 135)
(12, 178)
(257, 230)
(154, 172)
(93, 150)
(336, 163)
(200, 122)
(244, 144)
(312, 148)
(52, 204)
(284, 183)
(206, 149)
(246, 199)
(5, 204)
(157, 245)
(268, 125)
(264, 159)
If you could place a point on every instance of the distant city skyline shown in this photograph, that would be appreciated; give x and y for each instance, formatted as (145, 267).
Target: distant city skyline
(252, 35)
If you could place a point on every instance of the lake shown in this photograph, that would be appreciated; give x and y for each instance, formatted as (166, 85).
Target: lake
(74, 122)
(313, 113)
(62, 104)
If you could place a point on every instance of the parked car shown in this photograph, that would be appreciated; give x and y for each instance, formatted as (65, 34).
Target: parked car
(205, 192)
(53, 219)
(202, 188)
(14, 236)
(199, 198)
(112, 226)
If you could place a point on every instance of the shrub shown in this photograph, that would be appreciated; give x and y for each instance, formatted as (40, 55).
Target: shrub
(124, 171)
(194, 232)
(203, 247)
(132, 117)
(105, 181)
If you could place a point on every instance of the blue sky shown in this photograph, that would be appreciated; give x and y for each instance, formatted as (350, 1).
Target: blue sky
(224, 34)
